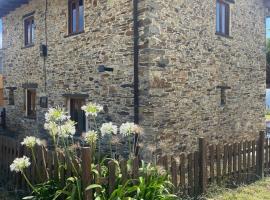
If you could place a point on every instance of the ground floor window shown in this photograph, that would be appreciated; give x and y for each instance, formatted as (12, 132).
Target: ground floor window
(11, 97)
(77, 114)
(30, 103)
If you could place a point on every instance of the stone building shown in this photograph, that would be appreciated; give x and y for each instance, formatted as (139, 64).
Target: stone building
(2, 103)
(182, 69)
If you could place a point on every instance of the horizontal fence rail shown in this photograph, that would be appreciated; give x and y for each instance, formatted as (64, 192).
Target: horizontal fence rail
(191, 174)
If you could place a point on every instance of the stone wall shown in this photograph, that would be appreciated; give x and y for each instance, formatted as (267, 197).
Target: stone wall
(1, 79)
(186, 61)
(182, 64)
(72, 62)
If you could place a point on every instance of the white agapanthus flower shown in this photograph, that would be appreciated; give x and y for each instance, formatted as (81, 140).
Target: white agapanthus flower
(91, 137)
(127, 128)
(52, 128)
(56, 115)
(68, 129)
(108, 128)
(92, 109)
(19, 164)
(31, 142)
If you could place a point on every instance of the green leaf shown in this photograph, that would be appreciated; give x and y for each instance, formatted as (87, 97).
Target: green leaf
(93, 186)
(72, 179)
(28, 197)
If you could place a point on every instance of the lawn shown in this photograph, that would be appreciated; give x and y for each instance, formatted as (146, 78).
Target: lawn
(256, 191)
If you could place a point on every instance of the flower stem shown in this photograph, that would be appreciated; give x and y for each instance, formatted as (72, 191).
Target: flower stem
(28, 182)
(111, 146)
(57, 159)
(35, 163)
(44, 163)
(69, 157)
(79, 191)
(129, 146)
(99, 140)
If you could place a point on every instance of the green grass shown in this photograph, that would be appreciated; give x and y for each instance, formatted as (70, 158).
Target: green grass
(267, 117)
(256, 191)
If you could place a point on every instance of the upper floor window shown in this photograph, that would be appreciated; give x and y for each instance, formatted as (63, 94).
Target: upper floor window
(222, 17)
(76, 16)
(29, 31)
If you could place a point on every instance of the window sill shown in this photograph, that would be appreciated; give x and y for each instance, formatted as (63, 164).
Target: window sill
(28, 46)
(74, 34)
(224, 35)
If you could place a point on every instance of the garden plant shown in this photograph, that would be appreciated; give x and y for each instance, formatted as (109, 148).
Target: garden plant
(153, 183)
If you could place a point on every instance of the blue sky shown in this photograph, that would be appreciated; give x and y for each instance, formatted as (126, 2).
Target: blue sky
(268, 27)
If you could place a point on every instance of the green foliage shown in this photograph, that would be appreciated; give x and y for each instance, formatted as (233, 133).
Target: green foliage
(72, 190)
(267, 112)
(152, 184)
(45, 191)
(268, 50)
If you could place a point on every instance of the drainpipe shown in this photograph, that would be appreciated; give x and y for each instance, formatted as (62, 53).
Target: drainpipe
(136, 70)
(46, 43)
(136, 60)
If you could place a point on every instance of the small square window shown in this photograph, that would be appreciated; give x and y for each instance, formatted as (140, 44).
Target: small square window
(222, 17)
(29, 31)
(76, 16)
(30, 103)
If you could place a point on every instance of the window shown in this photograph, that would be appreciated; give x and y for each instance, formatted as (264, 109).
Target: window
(222, 17)
(11, 97)
(29, 31)
(76, 16)
(77, 114)
(222, 97)
(31, 103)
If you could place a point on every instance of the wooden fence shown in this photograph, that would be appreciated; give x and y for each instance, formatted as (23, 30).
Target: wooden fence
(191, 173)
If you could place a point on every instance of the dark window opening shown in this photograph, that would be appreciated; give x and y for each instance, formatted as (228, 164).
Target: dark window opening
(78, 115)
(222, 18)
(29, 31)
(31, 103)
(11, 100)
(76, 16)
(222, 97)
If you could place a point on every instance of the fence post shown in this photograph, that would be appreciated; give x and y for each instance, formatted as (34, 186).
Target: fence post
(202, 165)
(86, 172)
(260, 153)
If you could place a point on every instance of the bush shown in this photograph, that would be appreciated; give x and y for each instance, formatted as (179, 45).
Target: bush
(152, 184)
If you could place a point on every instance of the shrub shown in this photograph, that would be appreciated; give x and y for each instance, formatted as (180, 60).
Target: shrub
(152, 183)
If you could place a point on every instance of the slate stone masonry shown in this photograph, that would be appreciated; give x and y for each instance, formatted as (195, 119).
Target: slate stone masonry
(183, 65)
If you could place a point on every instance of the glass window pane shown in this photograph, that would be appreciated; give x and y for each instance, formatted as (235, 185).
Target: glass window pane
(81, 18)
(33, 31)
(223, 17)
(217, 17)
(28, 33)
(74, 16)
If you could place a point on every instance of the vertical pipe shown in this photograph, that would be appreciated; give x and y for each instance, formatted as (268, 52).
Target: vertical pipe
(136, 60)
(136, 69)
